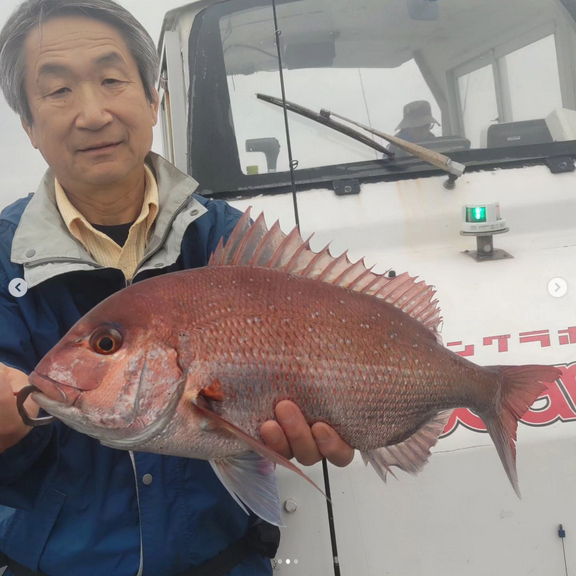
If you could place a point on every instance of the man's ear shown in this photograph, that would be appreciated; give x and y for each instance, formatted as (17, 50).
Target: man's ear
(154, 107)
(28, 129)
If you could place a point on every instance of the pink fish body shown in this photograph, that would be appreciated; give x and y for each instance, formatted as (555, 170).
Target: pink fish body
(193, 363)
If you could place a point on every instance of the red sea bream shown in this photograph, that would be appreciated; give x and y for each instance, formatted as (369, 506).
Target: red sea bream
(193, 363)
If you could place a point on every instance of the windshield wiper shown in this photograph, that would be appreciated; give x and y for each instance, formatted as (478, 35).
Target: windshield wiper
(430, 156)
(303, 111)
(324, 117)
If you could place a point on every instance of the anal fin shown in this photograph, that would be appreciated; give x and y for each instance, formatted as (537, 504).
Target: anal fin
(410, 455)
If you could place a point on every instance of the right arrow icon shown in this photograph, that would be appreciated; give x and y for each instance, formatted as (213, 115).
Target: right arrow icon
(557, 287)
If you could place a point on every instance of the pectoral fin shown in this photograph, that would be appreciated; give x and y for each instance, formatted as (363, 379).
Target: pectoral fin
(249, 478)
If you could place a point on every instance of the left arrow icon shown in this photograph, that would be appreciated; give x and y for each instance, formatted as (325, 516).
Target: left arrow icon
(18, 287)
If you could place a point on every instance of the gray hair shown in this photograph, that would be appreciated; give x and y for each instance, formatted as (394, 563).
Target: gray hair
(33, 13)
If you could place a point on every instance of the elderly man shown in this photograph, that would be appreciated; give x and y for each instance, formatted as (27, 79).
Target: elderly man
(80, 73)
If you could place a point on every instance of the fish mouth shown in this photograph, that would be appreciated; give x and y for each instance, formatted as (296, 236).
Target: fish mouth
(55, 398)
(48, 394)
(56, 391)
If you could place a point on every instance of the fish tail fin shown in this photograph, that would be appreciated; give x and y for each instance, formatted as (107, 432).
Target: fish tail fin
(520, 386)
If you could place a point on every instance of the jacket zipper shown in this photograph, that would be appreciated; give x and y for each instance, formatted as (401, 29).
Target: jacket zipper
(100, 266)
(65, 259)
(141, 566)
(128, 283)
(132, 458)
(162, 240)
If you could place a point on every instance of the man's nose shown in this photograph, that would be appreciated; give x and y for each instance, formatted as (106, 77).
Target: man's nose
(93, 113)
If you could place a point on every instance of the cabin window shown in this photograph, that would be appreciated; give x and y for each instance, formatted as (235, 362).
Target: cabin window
(533, 80)
(479, 106)
(510, 84)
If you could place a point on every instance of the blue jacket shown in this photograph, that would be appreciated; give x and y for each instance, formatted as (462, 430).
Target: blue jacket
(68, 505)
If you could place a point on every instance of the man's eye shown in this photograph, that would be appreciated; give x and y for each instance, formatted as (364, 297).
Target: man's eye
(60, 92)
(111, 81)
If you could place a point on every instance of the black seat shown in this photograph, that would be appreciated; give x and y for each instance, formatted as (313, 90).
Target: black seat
(518, 133)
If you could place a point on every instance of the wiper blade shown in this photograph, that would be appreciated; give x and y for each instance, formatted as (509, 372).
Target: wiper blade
(303, 111)
(324, 117)
(430, 156)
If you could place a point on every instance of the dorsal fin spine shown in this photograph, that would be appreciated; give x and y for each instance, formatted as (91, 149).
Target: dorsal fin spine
(353, 271)
(217, 254)
(344, 256)
(409, 295)
(254, 245)
(280, 251)
(384, 292)
(314, 261)
(369, 289)
(252, 231)
(429, 292)
(398, 294)
(430, 316)
(359, 279)
(337, 261)
(236, 237)
(294, 260)
(262, 246)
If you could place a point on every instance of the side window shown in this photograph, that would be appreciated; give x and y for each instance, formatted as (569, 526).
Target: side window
(508, 84)
(478, 104)
(533, 80)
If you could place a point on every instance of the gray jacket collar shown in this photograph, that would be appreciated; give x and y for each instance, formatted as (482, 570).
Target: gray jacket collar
(45, 247)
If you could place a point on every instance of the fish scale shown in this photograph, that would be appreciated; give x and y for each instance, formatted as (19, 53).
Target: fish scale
(403, 393)
(193, 363)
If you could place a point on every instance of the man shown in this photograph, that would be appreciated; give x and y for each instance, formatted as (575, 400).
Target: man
(416, 125)
(80, 73)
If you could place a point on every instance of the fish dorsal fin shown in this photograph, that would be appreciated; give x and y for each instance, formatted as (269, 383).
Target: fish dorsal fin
(255, 245)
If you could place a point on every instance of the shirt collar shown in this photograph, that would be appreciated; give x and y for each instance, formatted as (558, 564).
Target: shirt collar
(75, 220)
(42, 234)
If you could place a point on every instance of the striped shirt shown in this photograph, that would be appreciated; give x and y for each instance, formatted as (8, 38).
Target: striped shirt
(102, 248)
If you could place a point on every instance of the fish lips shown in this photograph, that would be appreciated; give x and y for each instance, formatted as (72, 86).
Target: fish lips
(56, 391)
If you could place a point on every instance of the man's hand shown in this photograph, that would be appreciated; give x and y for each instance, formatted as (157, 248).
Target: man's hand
(12, 429)
(291, 436)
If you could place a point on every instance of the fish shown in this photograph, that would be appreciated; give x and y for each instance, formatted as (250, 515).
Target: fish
(192, 363)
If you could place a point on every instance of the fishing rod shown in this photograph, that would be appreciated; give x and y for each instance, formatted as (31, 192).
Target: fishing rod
(293, 165)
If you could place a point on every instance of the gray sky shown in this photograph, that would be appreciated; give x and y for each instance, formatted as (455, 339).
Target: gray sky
(21, 167)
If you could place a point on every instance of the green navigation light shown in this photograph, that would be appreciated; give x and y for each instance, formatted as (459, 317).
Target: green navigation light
(476, 214)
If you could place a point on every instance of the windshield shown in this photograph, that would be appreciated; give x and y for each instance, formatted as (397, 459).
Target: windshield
(446, 74)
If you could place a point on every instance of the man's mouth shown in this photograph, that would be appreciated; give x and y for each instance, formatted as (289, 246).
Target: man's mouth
(101, 147)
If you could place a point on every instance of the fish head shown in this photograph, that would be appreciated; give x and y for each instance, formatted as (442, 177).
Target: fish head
(118, 381)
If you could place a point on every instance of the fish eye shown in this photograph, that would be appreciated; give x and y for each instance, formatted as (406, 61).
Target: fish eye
(106, 341)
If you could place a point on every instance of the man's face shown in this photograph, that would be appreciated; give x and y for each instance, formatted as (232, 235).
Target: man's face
(92, 121)
(419, 131)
